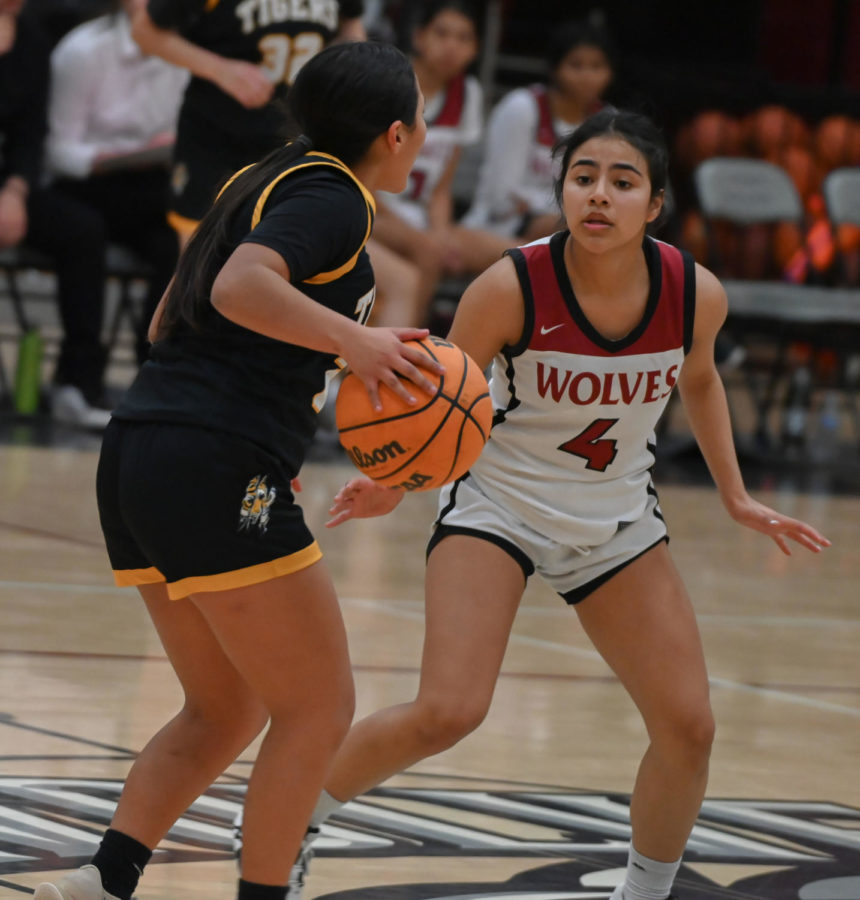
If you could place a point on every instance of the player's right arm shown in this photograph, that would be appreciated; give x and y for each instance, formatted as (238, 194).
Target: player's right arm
(489, 317)
(253, 290)
(490, 314)
(510, 133)
(243, 81)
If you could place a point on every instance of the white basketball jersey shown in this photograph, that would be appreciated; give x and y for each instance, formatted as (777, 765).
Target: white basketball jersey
(454, 120)
(542, 170)
(572, 445)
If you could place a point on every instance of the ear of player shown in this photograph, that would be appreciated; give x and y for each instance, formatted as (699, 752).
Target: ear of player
(422, 447)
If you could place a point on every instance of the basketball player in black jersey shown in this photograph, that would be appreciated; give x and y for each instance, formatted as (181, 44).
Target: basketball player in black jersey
(242, 55)
(194, 480)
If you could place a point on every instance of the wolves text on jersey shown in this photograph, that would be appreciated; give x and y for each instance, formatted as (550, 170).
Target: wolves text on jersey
(607, 388)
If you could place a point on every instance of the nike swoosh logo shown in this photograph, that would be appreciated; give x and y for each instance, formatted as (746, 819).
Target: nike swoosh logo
(545, 330)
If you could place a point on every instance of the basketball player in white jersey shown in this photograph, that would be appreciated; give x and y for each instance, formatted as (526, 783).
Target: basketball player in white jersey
(418, 223)
(588, 332)
(515, 188)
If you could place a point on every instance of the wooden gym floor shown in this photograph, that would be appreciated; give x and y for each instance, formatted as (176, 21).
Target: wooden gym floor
(533, 805)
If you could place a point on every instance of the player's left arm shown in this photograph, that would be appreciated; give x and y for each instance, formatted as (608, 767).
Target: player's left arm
(440, 206)
(708, 413)
(350, 24)
(351, 30)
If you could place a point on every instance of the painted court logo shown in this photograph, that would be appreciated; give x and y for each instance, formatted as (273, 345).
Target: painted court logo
(572, 844)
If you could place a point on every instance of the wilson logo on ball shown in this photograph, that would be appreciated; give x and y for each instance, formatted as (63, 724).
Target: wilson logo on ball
(377, 456)
(416, 448)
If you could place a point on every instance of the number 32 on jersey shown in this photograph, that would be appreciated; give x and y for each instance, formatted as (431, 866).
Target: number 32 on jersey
(284, 55)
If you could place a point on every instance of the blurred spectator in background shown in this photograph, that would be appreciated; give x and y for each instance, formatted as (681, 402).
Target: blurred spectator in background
(112, 121)
(514, 195)
(418, 224)
(242, 57)
(71, 233)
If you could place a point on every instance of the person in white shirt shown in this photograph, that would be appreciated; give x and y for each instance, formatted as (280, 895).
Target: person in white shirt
(112, 119)
(418, 224)
(515, 188)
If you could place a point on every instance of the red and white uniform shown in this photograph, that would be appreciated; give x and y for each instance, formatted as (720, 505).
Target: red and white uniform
(518, 171)
(454, 119)
(572, 447)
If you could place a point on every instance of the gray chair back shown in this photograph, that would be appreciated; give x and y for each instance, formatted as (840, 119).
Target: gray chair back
(746, 191)
(841, 191)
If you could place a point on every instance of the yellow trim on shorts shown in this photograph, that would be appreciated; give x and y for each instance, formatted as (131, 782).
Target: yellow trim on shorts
(134, 577)
(238, 578)
(181, 224)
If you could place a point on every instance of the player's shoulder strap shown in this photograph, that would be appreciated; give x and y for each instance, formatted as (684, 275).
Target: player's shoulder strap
(315, 158)
(545, 127)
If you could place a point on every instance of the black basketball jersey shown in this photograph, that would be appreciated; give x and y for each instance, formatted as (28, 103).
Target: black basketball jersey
(318, 216)
(279, 35)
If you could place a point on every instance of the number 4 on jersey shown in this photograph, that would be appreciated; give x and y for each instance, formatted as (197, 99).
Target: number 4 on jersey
(596, 450)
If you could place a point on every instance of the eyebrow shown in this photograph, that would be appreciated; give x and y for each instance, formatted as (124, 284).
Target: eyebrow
(591, 162)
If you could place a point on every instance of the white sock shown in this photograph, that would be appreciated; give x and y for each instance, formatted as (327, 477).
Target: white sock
(326, 805)
(646, 879)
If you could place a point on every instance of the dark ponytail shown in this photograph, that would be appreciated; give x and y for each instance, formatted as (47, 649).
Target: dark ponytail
(341, 101)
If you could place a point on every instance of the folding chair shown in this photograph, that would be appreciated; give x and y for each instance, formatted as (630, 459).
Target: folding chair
(121, 264)
(14, 260)
(741, 193)
(841, 190)
(126, 267)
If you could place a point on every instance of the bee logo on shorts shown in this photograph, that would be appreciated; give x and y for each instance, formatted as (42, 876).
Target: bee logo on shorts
(256, 504)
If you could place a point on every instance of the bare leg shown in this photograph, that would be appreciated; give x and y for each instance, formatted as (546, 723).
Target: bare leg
(221, 716)
(398, 289)
(414, 245)
(479, 249)
(272, 650)
(473, 589)
(287, 638)
(642, 623)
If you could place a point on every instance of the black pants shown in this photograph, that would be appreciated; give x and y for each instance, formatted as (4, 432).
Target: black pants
(133, 207)
(74, 236)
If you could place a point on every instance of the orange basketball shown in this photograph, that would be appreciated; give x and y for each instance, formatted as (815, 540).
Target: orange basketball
(711, 133)
(837, 142)
(802, 167)
(417, 448)
(773, 127)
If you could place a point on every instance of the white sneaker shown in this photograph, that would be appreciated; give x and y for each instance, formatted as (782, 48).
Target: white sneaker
(299, 872)
(69, 407)
(83, 884)
(236, 841)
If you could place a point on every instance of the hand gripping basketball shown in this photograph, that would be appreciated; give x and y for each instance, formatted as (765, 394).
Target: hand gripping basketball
(426, 445)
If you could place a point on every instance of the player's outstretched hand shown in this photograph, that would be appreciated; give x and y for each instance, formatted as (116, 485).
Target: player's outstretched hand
(245, 82)
(781, 528)
(361, 498)
(378, 355)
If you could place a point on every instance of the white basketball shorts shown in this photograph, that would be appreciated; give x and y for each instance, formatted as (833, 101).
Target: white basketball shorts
(574, 572)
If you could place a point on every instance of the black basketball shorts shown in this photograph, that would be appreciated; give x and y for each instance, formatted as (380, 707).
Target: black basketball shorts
(197, 509)
(204, 157)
